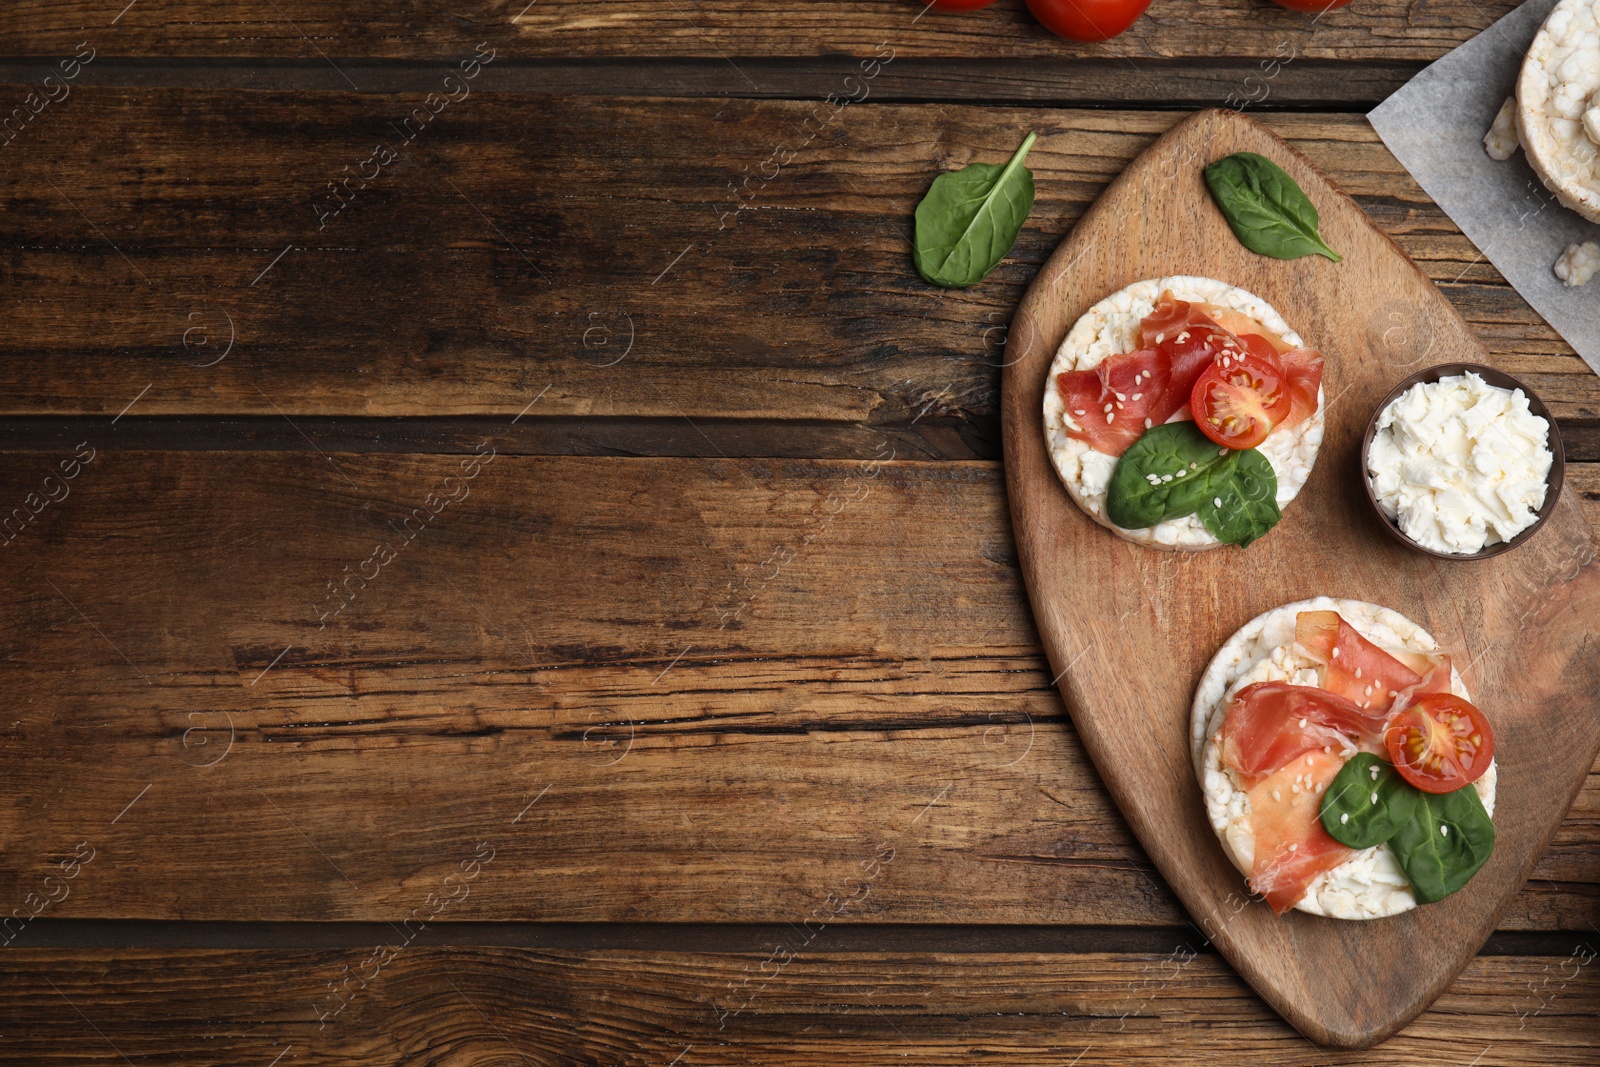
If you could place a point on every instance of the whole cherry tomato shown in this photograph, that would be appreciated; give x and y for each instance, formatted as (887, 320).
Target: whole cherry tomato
(1088, 20)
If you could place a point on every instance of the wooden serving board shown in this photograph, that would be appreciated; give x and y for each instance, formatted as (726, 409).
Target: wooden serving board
(1130, 629)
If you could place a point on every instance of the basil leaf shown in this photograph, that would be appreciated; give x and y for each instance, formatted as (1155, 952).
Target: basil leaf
(1269, 213)
(970, 219)
(1444, 843)
(1234, 492)
(1367, 802)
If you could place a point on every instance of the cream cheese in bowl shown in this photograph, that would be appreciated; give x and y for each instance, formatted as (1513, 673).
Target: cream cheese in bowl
(1460, 465)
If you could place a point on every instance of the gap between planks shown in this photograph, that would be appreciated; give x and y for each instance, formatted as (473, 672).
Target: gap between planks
(935, 437)
(1162, 84)
(1021, 939)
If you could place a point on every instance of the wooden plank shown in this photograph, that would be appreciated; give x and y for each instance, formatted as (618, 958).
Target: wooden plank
(522, 242)
(296, 29)
(722, 730)
(414, 1002)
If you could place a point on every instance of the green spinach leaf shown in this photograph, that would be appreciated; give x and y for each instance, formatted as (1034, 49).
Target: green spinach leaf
(1367, 802)
(1246, 502)
(970, 219)
(1174, 470)
(1269, 213)
(1444, 842)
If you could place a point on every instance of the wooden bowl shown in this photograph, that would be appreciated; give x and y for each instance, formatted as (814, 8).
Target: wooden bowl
(1499, 378)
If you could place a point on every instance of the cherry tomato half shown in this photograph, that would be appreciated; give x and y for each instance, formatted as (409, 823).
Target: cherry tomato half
(1241, 397)
(1440, 743)
(969, 5)
(1087, 20)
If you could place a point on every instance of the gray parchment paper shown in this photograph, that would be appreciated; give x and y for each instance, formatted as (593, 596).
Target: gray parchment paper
(1435, 126)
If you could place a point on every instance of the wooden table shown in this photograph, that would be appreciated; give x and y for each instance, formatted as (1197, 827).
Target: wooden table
(549, 598)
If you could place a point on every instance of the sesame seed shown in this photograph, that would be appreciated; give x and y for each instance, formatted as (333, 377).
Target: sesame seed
(1109, 417)
(1292, 847)
(1118, 395)
(1308, 761)
(1369, 690)
(1374, 772)
(1166, 477)
(1335, 652)
(1444, 831)
(1373, 798)
(1077, 411)
(1182, 472)
(1222, 451)
(1276, 795)
(1302, 724)
(1216, 501)
(1295, 788)
(1106, 408)
(1138, 396)
(1344, 818)
(1358, 672)
(1184, 336)
(1161, 337)
(1194, 466)
(1147, 424)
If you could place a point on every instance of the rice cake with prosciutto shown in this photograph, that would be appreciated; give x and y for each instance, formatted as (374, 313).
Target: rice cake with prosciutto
(1362, 883)
(1084, 440)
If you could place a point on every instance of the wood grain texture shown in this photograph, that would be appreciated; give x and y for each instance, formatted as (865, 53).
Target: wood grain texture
(522, 241)
(1111, 613)
(881, 662)
(428, 29)
(506, 1006)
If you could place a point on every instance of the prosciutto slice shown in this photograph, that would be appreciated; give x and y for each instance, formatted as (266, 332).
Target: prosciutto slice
(1269, 724)
(1360, 671)
(1115, 403)
(1286, 742)
(1189, 334)
(1291, 847)
(1302, 368)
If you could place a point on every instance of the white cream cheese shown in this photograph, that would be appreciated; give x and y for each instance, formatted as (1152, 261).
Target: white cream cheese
(1370, 884)
(1460, 464)
(1578, 263)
